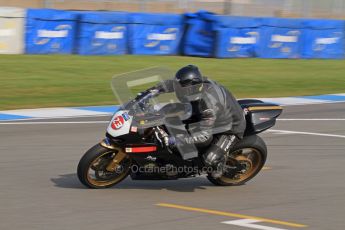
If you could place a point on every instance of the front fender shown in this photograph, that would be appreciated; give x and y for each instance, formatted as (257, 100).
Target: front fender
(107, 143)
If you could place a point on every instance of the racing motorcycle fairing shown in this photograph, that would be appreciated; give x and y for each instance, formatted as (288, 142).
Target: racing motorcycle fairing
(120, 124)
(260, 116)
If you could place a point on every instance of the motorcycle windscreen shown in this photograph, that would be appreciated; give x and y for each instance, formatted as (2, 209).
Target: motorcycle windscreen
(127, 86)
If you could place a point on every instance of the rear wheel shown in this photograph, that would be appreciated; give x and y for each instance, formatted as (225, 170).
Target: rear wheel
(102, 168)
(250, 153)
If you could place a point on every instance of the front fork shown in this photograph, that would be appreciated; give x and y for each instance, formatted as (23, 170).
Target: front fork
(119, 155)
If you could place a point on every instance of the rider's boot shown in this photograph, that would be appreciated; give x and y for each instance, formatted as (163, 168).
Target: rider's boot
(216, 155)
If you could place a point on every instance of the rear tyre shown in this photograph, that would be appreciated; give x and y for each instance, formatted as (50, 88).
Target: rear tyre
(251, 153)
(92, 168)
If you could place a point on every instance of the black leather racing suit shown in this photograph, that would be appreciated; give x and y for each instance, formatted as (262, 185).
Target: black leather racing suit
(217, 118)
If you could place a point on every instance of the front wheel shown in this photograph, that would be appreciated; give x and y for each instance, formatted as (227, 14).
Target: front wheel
(250, 153)
(102, 168)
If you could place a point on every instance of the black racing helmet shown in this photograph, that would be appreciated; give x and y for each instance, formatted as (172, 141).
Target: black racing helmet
(188, 83)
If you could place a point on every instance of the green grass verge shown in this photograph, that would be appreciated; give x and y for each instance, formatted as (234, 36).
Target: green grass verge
(29, 81)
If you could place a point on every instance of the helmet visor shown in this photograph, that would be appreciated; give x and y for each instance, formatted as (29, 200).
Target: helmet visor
(188, 93)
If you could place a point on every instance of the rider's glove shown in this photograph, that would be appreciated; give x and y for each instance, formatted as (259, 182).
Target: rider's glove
(171, 142)
(154, 91)
(168, 141)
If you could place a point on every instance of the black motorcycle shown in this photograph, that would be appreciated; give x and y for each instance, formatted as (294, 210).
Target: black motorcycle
(132, 147)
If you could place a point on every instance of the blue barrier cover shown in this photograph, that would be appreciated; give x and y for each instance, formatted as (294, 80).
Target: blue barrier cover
(102, 33)
(324, 39)
(50, 31)
(237, 36)
(200, 36)
(281, 38)
(155, 34)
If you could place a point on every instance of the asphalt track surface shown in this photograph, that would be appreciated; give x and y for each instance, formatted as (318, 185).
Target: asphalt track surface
(302, 188)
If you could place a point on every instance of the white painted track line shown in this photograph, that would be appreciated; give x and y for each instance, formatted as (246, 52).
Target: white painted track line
(105, 122)
(311, 119)
(53, 122)
(53, 112)
(250, 223)
(305, 133)
(288, 101)
(31, 122)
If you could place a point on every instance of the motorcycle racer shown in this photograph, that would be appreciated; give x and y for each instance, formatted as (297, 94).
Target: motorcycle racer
(217, 122)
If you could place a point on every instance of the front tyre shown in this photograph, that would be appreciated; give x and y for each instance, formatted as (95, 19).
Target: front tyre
(251, 154)
(99, 169)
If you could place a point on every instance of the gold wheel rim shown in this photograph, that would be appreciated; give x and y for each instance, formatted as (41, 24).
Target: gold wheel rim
(104, 183)
(249, 157)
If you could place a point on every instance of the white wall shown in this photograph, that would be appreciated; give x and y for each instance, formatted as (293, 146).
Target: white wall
(12, 22)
